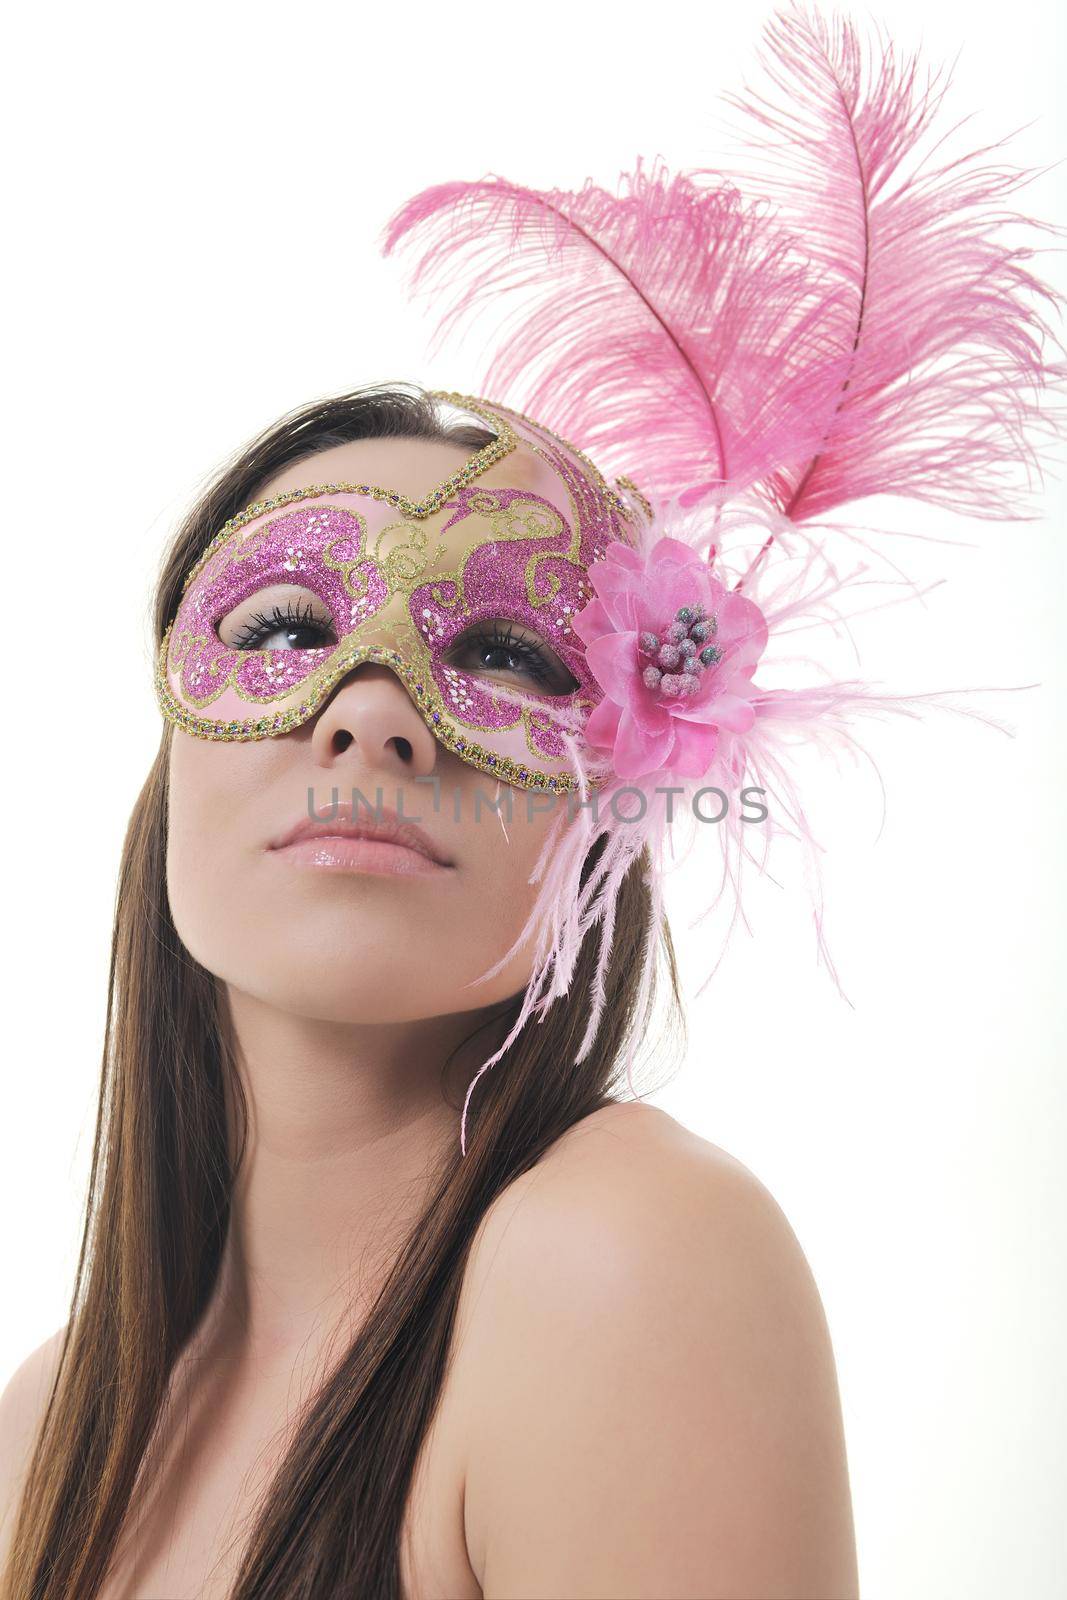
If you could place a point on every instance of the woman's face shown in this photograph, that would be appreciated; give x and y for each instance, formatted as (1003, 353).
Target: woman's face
(344, 945)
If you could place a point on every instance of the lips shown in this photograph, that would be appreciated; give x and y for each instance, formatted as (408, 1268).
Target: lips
(344, 821)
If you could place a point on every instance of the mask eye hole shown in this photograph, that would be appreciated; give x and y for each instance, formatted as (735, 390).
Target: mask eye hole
(284, 617)
(499, 647)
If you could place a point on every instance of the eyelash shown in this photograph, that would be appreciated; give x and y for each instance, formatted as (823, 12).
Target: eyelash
(497, 639)
(261, 626)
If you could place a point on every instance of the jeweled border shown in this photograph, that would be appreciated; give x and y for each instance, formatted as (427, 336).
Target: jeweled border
(249, 728)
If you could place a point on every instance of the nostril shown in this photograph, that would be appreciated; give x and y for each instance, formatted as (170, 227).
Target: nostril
(403, 748)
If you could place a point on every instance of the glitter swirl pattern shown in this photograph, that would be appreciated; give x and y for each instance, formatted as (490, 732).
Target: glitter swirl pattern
(400, 586)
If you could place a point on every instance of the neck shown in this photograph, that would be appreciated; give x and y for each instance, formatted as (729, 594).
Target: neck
(347, 1129)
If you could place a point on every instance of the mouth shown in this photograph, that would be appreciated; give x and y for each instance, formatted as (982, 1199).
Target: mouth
(381, 842)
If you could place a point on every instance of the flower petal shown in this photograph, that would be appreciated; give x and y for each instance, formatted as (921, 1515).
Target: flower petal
(673, 551)
(602, 725)
(612, 659)
(730, 711)
(591, 621)
(650, 714)
(742, 634)
(697, 709)
(638, 753)
(694, 749)
(720, 708)
(626, 556)
(620, 591)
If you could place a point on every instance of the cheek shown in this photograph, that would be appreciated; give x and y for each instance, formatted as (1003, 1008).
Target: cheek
(343, 947)
(206, 792)
(505, 844)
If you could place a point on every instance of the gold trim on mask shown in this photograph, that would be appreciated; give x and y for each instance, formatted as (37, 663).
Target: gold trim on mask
(488, 761)
(506, 441)
(608, 493)
(642, 500)
(424, 692)
(479, 462)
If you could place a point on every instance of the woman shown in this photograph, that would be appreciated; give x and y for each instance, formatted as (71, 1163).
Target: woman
(315, 1348)
(364, 1358)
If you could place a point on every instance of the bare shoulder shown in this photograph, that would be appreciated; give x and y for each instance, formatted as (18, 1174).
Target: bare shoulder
(649, 1380)
(22, 1407)
(611, 1176)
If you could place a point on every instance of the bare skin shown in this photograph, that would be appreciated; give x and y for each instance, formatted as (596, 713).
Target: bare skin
(642, 1401)
(630, 1232)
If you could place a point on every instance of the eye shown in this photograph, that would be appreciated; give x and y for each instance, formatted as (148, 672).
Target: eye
(501, 646)
(287, 625)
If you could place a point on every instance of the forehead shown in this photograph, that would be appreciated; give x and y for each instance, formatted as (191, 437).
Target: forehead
(488, 493)
(413, 467)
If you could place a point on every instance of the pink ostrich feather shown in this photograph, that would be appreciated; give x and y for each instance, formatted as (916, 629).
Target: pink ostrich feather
(937, 316)
(672, 325)
(863, 326)
(802, 592)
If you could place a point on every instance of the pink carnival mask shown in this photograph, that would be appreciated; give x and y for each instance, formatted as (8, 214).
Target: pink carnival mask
(510, 536)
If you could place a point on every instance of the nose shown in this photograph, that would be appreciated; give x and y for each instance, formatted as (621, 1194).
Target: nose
(371, 712)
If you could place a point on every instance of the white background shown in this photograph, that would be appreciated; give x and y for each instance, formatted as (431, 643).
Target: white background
(193, 204)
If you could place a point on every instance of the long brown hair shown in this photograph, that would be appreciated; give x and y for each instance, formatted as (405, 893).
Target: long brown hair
(164, 1163)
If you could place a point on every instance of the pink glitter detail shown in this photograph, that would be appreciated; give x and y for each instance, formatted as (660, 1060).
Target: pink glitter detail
(494, 585)
(288, 549)
(518, 566)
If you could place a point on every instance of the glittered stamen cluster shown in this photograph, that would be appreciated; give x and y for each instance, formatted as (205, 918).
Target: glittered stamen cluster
(674, 660)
